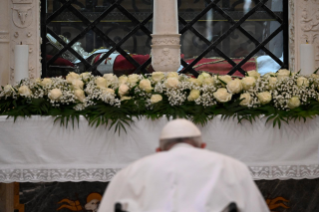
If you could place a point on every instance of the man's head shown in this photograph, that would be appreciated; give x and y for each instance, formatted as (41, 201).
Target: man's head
(180, 131)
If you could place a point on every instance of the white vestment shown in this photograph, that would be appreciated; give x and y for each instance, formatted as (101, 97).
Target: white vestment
(184, 179)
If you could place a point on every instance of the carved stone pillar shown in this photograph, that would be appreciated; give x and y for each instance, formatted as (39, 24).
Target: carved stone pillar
(25, 29)
(4, 42)
(305, 26)
(6, 197)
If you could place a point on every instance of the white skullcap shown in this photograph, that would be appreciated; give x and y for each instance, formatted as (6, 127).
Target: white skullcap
(179, 128)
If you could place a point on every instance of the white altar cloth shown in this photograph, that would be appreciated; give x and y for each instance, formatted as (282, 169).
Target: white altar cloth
(37, 150)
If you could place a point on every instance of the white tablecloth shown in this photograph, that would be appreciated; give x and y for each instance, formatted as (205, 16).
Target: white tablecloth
(35, 149)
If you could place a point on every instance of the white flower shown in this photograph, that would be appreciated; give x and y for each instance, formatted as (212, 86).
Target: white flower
(77, 84)
(248, 82)
(193, 95)
(8, 89)
(25, 91)
(269, 74)
(283, 74)
(156, 98)
(85, 76)
(46, 82)
(108, 91)
(254, 74)
(204, 76)
(272, 82)
(123, 79)
(246, 99)
(221, 95)
(225, 78)
(234, 86)
(209, 81)
(145, 85)
(315, 76)
(101, 82)
(293, 102)
(172, 82)
(55, 94)
(79, 95)
(158, 76)
(72, 76)
(195, 81)
(172, 74)
(302, 81)
(124, 98)
(133, 79)
(264, 97)
(123, 89)
(110, 77)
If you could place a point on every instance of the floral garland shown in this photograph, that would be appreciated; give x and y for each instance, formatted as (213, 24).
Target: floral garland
(113, 100)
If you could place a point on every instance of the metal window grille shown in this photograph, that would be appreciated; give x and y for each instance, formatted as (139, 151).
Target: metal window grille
(226, 11)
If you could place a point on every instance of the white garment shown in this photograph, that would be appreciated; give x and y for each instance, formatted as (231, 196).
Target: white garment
(184, 179)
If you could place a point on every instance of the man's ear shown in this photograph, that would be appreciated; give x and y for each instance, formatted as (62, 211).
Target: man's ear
(203, 145)
(158, 149)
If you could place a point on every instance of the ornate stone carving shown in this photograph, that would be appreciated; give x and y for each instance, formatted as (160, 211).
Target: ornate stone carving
(22, 16)
(292, 35)
(166, 52)
(4, 37)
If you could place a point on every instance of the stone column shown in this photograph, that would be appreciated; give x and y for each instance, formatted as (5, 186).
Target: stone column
(166, 49)
(4, 42)
(6, 197)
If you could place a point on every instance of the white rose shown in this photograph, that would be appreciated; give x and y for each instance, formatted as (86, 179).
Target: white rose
(77, 84)
(172, 82)
(123, 79)
(248, 82)
(283, 74)
(55, 94)
(158, 76)
(254, 74)
(315, 76)
(123, 89)
(246, 99)
(172, 74)
(79, 95)
(195, 81)
(225, 78)
(85, 76)
(46, 82)
(8, 89)
(123, 98)
(293, 102)
(203, 76)
(272, 82)
(145, 85)
(222, 95)
(101, 82)
(208, 81)
(193, 95)
(234, 86)
(108, 91)
(156, 98)
(25, 91)
(110, 77)
(264, 97)
(72, 76)
(133, 79)
(302, 81)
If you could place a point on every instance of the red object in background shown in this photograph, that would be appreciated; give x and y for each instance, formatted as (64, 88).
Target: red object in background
(221, 66)
(60, 61)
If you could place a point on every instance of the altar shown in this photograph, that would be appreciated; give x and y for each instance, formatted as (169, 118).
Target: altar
(37, 150)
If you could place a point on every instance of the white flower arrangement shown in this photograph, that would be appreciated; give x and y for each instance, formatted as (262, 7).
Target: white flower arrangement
(282, 91)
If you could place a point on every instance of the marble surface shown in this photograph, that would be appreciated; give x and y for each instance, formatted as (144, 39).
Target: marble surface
(282, 195)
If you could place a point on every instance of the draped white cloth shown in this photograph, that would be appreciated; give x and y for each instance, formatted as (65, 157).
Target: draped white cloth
(35, 149)
(184, 179)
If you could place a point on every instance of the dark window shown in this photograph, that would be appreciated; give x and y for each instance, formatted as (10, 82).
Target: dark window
(218, 36)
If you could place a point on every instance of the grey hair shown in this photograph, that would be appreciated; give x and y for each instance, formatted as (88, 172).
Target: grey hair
(165, 144)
